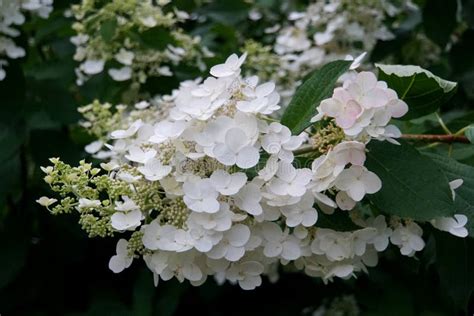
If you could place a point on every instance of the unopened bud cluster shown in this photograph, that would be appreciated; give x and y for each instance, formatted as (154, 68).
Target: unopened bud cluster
(132, 40)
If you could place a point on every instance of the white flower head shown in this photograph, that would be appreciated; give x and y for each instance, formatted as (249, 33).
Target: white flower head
(92, 67)
(228, 184)
(232, 245)
(120, 74)
(88, 204)
(279, 243)
(357, 181)
(154, 170)
(125, 57)
(133, 128)
(248, 199)
(122, 259)
(453, 225)
(201, 196)
(381, 239)
(126, 220)
(137, 154)
(128, 215)
(46, 201)
(301, 213)
(289, 180)
(453, 185)
(231, 67)
(246, 273)
(279, 141)
(408, 238)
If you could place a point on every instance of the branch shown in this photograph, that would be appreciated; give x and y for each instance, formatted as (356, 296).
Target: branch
(449, 139)
(304, 150)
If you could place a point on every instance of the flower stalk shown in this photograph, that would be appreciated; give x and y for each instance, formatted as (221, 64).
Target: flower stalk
(431, 138)
(449, 139)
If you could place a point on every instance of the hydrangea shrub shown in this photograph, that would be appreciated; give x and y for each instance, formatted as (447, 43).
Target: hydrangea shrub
(205, 183)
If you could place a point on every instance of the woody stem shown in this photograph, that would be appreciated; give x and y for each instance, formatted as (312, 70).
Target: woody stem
(430, 138)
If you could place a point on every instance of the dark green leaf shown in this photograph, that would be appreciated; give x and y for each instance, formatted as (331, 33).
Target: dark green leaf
(440, 20)
(11, 139)
(156, 38)
(468, 12)
(339, 221)
(227, 12)
(464, 201)
(420, 89)
(455, 262)
(412, 184)
(107, 29)
(143, 294)
(168, 298)
(318, 87)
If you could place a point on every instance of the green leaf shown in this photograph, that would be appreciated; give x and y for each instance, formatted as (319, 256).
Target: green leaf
(468, 12)
(226, 12)
(169, 298)
(143, 294)
(107, 29)
(11, 138)
(440, 20)
(420, 89)
(339, 221)
(10, 170)
(412, 184)
(454, 260)
(157, 38)
(470, 133)
(464, 201)
(318, 87)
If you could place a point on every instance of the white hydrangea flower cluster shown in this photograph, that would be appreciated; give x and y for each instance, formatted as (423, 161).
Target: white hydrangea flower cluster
(132, 40)
(329, 30)
(11, 16)
(220, 213)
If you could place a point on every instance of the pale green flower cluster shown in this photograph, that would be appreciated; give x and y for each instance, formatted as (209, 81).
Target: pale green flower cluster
(262, 60)
(327, 30)
(82, 189)
(95, 194)
(132, 40)
(99, 119)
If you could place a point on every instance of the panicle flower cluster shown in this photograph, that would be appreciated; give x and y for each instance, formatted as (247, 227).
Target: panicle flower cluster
(132, 40)
(329, 30)
(214, 188)
(12, 15)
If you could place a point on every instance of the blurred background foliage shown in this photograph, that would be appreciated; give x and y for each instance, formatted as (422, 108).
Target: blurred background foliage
(48, 266)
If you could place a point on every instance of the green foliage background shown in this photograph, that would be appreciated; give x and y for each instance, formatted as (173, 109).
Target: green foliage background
(49, 267)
